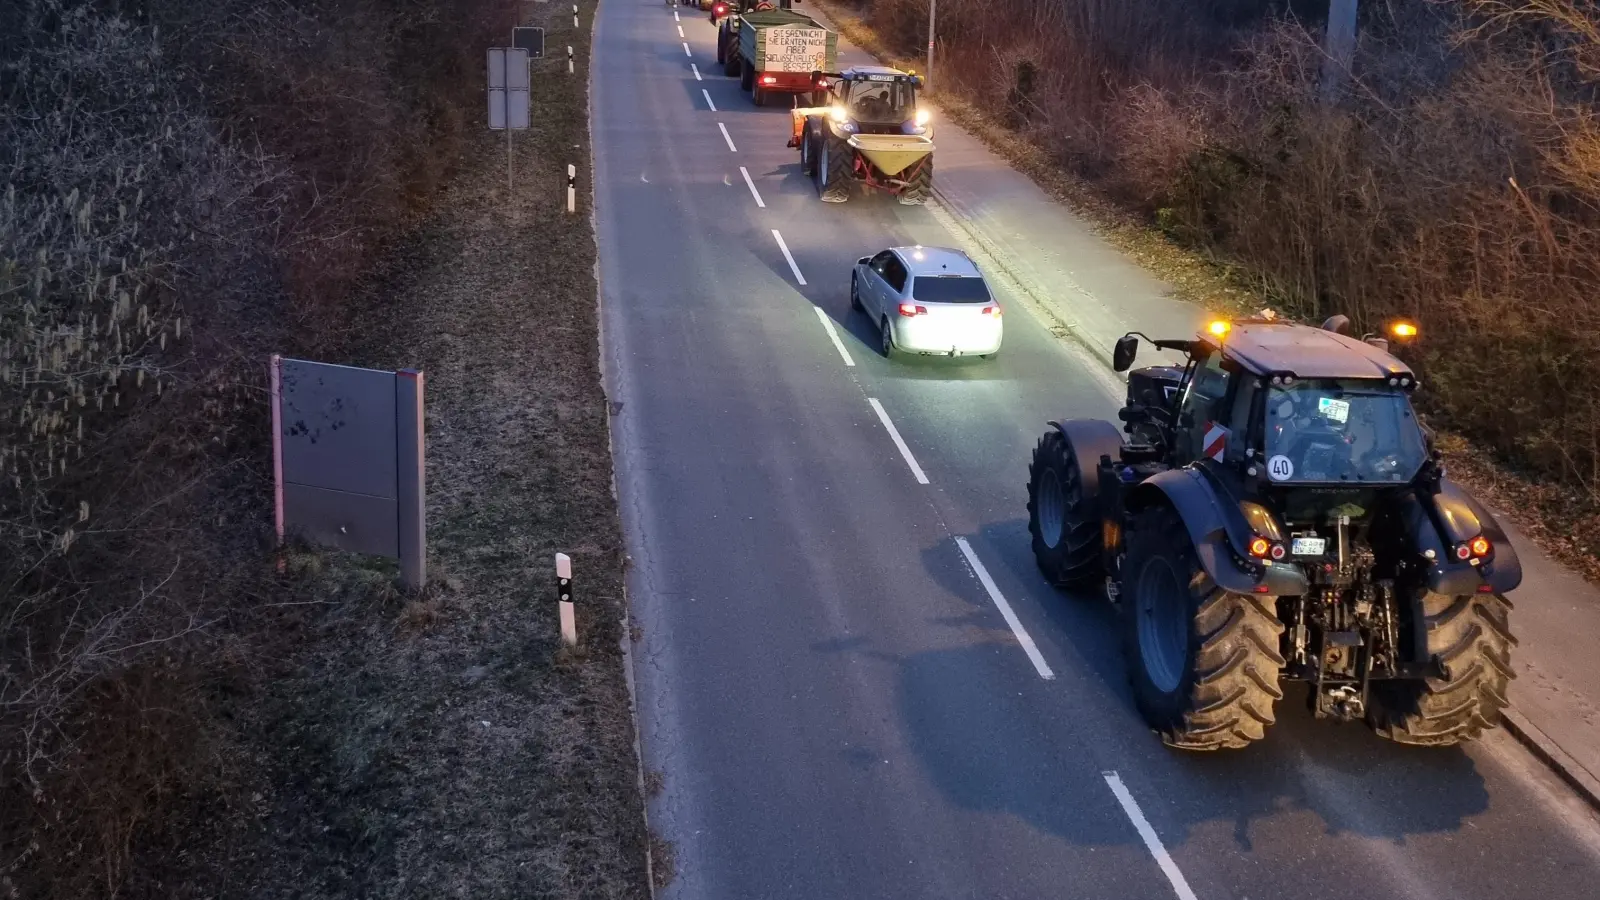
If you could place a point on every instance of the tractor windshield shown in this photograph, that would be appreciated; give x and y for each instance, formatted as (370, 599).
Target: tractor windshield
(883, 102)
(1345, 431)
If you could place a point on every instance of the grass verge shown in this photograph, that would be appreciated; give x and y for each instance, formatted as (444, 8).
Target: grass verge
(443, 744)
(1562, 519)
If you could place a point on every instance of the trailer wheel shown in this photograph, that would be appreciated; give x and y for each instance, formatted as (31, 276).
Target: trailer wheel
(921, 186)
(1204, 662)
(833, 169)
(747, 76)
(1471, 636)
(758, 94)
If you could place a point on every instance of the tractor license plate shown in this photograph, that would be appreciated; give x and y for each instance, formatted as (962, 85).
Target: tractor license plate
(1308, 546)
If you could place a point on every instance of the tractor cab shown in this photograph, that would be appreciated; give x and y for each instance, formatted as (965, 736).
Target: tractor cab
(876, 100)
(721, 9)
(1282, 403)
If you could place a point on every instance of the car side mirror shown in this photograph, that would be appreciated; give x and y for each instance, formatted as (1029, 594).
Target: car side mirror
(1127, 349)
(864, 261)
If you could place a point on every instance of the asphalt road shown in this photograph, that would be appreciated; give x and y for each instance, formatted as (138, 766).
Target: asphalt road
(850, 674)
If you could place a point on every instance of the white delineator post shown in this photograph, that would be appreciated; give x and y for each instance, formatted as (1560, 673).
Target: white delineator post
(569, 617)
(572, 188)
(569, 60)
(574, 15)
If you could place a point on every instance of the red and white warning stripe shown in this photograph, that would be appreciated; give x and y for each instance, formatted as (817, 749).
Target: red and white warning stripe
(1216, 441)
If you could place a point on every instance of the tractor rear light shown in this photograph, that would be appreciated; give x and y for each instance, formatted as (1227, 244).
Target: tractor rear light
(1463, 551)
(992, 311)
(769, 79)
(822, 83)
(912, 309)
(1278, 551)
(1260, 547)
(1480, 546)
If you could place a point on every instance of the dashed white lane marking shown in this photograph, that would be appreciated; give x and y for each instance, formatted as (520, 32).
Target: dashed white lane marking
(727, 137)
(1023, 638)
(680, 30)
(759, 202)
(900, 442)
(696, 70)
(686, 50)
(833, 334)
(1148, 834)
(676, 19)
(788, 256)
(707, 94)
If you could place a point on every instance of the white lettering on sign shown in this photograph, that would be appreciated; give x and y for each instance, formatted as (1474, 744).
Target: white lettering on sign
(1280, 468)
(795, 49)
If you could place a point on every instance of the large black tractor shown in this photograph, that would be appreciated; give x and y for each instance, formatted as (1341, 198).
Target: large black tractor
(1276, 512)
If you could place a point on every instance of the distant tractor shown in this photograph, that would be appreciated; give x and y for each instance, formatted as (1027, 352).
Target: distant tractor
(870, 133)
(1276, 512)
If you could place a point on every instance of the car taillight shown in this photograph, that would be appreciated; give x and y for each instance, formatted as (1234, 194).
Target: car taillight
(992, 311)
(769, 79)
(911, 309)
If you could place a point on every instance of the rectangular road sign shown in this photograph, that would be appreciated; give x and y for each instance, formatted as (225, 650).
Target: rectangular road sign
(530, 39)
(508, 88)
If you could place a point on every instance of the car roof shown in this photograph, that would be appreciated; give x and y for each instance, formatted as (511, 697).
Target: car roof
(853, 71)
(937, 261)
(1305, 351)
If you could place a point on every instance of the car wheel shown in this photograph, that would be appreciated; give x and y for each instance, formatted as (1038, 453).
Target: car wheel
(886, 339)
(855, 293)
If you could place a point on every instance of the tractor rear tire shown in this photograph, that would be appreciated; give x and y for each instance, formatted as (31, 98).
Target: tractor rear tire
(1204, 662)
(921, 187)
(1471, 636)
(732, 65)
(834, 172)
(722, 50)
(1066, 535)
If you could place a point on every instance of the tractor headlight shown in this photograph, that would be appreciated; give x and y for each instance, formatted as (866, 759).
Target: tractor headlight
(922, 118)
(839, 114)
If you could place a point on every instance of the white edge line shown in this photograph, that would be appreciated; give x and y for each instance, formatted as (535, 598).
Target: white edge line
(729, 138)
(707, 95)
(1151, 841)
(696, 70)
(686, 50)
(794, 268)
(833, 333)
(1023, 638)
(753, 192)
(894, 435)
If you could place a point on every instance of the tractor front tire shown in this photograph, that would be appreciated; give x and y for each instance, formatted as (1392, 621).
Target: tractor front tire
(1471, 636)
(1066, 535)
(834, 172)
(1204, 662)
(921, 187)
(808, 151)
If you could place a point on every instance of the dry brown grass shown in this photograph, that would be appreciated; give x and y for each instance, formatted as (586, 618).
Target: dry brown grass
(1455, 182)
(186, 188)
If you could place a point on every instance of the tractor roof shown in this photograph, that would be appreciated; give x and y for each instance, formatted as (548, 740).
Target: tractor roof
(1305, 351)
(862, 72)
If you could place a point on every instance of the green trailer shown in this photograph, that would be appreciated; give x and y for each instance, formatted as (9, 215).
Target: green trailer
(777, 51)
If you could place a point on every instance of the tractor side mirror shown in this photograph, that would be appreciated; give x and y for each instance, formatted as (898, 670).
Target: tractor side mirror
(1127, 349)
(1337, 324)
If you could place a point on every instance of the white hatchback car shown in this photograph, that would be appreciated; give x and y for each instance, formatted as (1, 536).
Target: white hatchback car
(931, 301)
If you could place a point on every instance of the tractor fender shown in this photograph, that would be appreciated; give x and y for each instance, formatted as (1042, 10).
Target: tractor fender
(1440, 521)
(1219, 531)
(1091, 439)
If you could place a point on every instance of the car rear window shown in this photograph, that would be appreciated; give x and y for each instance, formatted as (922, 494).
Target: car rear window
(950, 289)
